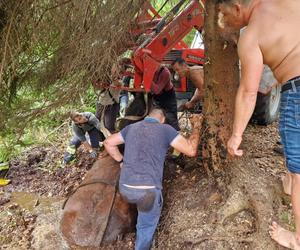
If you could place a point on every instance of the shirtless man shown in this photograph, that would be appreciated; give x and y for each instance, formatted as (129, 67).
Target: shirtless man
(195, 74)
(271, 37)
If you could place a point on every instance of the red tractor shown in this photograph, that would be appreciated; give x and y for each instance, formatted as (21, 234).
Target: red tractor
(163, 44)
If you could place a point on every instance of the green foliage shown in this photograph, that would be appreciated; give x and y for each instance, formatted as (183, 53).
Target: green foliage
(157, 4)
(51, 52)
(42, 130)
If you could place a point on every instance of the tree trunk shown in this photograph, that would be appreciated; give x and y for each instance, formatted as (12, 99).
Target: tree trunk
(221, 82)
(244, 187)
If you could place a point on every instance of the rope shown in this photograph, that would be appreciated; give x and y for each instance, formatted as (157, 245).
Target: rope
(109, 214)
(95, 181)
(106, 220)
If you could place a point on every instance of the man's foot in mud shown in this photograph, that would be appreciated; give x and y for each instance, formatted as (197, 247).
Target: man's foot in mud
(287, 183)
(283, 237)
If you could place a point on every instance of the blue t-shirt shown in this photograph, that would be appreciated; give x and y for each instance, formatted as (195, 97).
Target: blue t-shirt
(146, 145)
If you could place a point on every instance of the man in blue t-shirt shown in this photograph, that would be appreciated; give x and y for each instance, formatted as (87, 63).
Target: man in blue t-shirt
(146, 146)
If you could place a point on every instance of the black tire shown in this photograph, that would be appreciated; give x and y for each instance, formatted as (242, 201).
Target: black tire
(267, 107)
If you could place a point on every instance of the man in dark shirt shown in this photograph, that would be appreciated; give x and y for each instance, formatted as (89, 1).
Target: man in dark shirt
(83, 123)
(164, 95)
(146, 145)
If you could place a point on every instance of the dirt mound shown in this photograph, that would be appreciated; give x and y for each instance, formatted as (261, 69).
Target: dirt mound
(193, 206)
(194, 209)
(40, 170)
(16, 227)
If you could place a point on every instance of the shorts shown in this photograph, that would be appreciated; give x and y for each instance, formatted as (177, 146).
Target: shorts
(289, 128)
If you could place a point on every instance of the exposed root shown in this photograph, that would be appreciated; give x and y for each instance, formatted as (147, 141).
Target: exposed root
(258, 199)
(222, 238)
(234, 204)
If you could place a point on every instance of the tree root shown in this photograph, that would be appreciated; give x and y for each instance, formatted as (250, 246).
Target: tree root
(250, 190)
(222, 238)
(234, 204)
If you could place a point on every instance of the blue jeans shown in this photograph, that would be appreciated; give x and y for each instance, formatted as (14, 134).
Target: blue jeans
(149, 204)
(95, 137)
(289, 128)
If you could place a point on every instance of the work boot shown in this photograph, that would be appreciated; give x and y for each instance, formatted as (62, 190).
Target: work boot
(69, 154)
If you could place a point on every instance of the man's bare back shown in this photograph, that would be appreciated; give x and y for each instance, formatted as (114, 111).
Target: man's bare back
(271, 37)
(275, 24)
(193, 73)
(196, 76)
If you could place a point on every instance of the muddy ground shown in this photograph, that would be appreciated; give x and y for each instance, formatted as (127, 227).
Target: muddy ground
(39, 185)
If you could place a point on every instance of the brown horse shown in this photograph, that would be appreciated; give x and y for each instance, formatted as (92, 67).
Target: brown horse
(95, 213)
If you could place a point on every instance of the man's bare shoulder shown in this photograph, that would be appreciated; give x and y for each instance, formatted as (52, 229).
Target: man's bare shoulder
(248, 36)
(196, 69)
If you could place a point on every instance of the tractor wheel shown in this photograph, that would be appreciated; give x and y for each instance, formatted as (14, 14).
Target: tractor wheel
(267, 107)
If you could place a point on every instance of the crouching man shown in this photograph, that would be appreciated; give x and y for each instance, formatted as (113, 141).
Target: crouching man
(146, 146)
(83, 123)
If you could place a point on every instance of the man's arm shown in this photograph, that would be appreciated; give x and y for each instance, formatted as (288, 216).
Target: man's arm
(189, 146)
(93, 120)
(251, 59)
(196, 98)
(81, 135)
(111, 146)
(196, 76)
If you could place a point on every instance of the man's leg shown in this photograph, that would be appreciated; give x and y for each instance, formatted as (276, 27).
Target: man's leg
(71, 149)
(110, 116)
(296, 204)
(168, 102)
(284, 237)
(287, 183)
(171, 110)
(95, 137)
(75, 142)
(289, 128)
(147, 223)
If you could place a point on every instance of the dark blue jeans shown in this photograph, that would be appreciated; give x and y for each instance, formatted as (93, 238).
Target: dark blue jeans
(168, 102)
(289, 128)
(149, 204)
(95, 137)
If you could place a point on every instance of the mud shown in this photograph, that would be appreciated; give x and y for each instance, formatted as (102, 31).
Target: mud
(191, 203)
(40, 170)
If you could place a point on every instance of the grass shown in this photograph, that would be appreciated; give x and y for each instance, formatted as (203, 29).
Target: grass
(287, 218)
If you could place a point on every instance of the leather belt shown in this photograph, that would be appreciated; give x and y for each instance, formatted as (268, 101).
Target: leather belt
(290, 83)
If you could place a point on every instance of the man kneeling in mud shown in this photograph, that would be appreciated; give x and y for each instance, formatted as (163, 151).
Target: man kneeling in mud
(83, 123)
(260, 43)
(146, 145)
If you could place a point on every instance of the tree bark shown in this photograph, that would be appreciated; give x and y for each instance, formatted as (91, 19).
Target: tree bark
(243, 185)
(221, 82)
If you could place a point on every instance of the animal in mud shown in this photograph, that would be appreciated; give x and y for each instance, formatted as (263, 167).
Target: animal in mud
(95, 213)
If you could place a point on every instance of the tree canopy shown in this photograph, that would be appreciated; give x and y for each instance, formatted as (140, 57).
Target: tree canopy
(51, 51)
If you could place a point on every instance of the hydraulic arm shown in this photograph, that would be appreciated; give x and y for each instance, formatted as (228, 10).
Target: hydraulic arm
(167, 34)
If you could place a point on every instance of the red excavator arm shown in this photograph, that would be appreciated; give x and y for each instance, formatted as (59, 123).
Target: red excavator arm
(148, 57)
